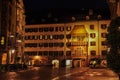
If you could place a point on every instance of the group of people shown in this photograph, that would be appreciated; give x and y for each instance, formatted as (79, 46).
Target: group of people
(98, 63)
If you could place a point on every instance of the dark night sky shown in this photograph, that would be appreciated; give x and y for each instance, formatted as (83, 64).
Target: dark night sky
(34, 5)
(41, 8)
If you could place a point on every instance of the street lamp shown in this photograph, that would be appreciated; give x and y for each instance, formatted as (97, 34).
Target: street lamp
(13, 50)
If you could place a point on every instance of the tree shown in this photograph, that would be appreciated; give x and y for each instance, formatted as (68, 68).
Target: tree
(113, 39)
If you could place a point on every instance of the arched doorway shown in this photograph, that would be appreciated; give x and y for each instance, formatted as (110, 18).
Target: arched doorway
(55, 63)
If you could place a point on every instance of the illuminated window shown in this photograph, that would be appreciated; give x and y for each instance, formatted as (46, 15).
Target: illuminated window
(40, 37)
(103, 26)
(68, 28)
(93, 43)
(61, 29)
(92, 35)
(36, 37)
(50, 37)
(46, 37)
(92, 27)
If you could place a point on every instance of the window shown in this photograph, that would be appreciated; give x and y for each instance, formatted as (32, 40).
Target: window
(29, 37)
(26, 45)
(103, 35)
(26, 30)
(55, 44)
(50, 53)
(68, 36)
(46, 37)
(93, 43)
(104, 52)
(104, 43)
(55, 36)
(68, 28)
(45, 53)
(40, 53)
(56, 29)
(61, 36)
(26, 37)
(92, 35)
(92, 27)
(45, 44)
(40, 37)
(68, 53)
(61, 29)
(43, 36)
(103, 26)
(61, 53)
(55, 53)
(61, 44)
(50, 44)
(33, 37)
(36, 37)
(46, 29)
(50, 36)
(41, 44)
(34, 44)
(35, 29)
(40, 29)
(68, 44)
(31, 53)
(93, 53)
(51, 29)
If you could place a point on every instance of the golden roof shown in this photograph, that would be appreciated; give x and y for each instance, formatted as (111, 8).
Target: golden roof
(79, 29)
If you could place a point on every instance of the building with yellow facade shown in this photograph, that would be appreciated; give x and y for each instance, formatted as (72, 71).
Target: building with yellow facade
(71, 44)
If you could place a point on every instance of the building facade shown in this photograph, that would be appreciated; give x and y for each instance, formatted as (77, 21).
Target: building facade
(20, 31)
(71, 44)
(7, 25)
(9, 21)
(114, 6)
